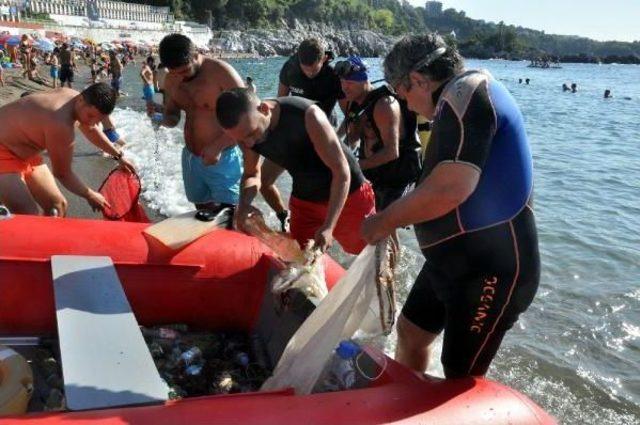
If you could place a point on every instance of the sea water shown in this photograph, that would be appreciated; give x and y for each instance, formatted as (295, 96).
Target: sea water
(576, 351)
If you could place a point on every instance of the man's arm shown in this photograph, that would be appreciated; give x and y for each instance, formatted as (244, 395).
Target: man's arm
(342, 129)
(459, 162)
(59, 146)
(170, 111)
(283, 90)
(447, 187)
(100, 140)
(386, 115)
(325, 142)
(249, 186)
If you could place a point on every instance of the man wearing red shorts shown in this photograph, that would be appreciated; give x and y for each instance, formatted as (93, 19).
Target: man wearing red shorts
(330, 197)
(47, 122)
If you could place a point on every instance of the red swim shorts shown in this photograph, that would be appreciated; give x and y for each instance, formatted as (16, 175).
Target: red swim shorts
(307, 217)
(10, 163)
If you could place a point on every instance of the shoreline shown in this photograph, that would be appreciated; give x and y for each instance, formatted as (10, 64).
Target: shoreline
(88, 162)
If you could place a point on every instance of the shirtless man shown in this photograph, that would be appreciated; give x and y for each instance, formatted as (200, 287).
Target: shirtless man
(146, 73)
(115, 68)
(47, 121)
(193, 85)
(67, 65)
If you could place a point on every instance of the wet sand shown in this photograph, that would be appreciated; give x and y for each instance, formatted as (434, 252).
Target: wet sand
(88, 162)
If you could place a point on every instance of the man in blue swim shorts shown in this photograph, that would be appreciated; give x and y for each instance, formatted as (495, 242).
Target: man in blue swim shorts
(472, 210)
(211, 162)
(146, 73)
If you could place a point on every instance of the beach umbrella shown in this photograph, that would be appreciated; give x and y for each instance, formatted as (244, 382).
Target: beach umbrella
(45, 45)
(4, 38)
(14, 40)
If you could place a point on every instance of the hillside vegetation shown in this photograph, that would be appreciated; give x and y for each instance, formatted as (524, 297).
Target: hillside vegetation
(475, 38)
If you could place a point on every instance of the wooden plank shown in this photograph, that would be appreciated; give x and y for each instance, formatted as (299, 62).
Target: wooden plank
(179, 231)
(105, 361)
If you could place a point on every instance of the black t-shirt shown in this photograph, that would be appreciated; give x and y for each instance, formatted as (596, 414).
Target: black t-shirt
(324, 88)
(289, 146)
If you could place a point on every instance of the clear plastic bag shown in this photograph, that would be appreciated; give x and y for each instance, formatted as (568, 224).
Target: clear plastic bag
(282, 245)
(307, 276)
(358, 302)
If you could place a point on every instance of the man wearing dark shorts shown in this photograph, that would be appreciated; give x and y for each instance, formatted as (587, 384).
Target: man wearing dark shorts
(67, 65)
(307, 74)
(472, 211)
(330, 197)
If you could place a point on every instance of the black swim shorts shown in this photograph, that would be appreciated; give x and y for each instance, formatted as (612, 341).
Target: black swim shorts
(66, 74)
(474, 287)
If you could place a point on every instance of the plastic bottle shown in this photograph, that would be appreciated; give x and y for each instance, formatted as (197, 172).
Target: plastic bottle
(341, 374)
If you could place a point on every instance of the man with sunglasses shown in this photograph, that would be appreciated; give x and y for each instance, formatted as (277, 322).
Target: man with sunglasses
(389, 149)
(472, 211)
(211, 167)
(307, 74)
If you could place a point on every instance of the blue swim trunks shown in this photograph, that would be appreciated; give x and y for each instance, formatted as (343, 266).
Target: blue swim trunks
(53, 72)
(147, 92)
(111, 134)
(116, 83)
(218, 183)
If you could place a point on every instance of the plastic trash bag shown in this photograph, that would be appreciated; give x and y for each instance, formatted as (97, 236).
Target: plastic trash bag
(282, 245)
(307, 276)
(362, 301)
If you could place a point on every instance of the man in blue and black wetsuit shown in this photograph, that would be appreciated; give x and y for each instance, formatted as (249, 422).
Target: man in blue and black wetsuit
(471, 209)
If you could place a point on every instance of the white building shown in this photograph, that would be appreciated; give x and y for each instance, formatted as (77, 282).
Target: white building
(107, 19)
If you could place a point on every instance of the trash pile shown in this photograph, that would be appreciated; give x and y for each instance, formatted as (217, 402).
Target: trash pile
(205, 363)
(51, 394)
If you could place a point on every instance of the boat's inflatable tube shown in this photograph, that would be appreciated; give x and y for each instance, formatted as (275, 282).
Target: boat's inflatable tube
(16, 382)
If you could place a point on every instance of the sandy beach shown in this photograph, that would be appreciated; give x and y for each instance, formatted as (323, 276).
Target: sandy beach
(88, 161)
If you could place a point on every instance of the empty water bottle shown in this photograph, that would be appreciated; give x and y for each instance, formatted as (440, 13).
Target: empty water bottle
(341, 373)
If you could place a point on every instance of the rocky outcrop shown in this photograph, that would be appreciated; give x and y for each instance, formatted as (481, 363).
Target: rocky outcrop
(284, 41)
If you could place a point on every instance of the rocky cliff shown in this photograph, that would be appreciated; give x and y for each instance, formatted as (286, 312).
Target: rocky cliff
(285, 40)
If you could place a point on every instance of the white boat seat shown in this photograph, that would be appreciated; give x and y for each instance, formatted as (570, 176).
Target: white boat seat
(105, 361)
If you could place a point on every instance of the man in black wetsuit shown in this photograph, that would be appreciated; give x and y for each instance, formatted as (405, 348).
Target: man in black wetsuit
(472, 211)
(306, 74)
(330, 197)
(386, 130)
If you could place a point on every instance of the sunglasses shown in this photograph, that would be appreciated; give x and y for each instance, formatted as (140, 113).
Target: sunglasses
(345, 68)
(428, 60)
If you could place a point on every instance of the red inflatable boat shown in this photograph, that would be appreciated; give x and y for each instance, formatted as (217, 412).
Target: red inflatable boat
(220, 282)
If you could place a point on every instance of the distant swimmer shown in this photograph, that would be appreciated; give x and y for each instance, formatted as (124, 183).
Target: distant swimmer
(330, 196)
(211, 162)
(520, 81)
(47, 122)
(607, 94)
(565, 87)
(250, 85)
(527, 81)
(574, 87)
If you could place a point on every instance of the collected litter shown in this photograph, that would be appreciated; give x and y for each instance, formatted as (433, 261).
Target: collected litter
(361, 304)
(204, 363)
